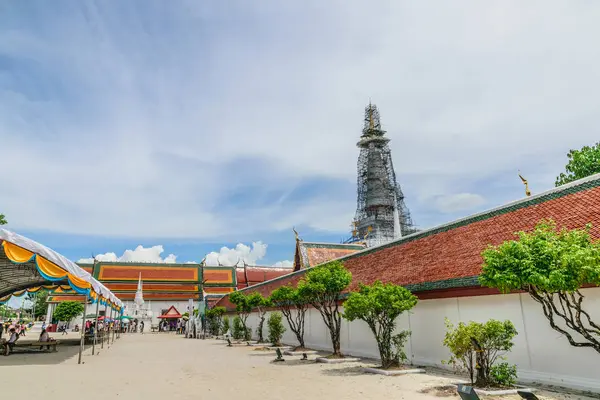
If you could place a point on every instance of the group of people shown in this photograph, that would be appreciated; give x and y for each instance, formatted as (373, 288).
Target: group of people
(20, 327)
(172, 325)
(135, 326)
(15, 335)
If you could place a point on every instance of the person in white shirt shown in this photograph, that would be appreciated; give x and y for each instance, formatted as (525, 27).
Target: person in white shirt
(44, 337)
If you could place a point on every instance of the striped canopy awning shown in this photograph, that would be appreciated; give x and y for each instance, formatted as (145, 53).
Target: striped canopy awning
(26, 265)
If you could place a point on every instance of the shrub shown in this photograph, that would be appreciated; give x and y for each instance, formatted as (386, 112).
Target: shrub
(476, 346)
(503, 374)
(398, 342)
(379, 305)
(225, 325)
(238, 328)
(276, 328)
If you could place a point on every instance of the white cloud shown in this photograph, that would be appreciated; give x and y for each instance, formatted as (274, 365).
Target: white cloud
(283, 264)
(146, 121)
(241, 253)
(140, 254)
(225, 256)
(459, 202)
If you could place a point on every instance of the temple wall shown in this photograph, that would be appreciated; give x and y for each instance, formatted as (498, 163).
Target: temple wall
(540, 353)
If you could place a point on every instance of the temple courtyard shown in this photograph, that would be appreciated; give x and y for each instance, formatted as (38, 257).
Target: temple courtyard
(155, 366)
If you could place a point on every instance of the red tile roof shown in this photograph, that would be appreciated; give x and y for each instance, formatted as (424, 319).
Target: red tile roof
(257, 274)
(449, 256)
(309, 254)
(171, 313)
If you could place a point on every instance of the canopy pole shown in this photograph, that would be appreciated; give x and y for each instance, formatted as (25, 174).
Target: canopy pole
(95, 327)
(103, 329)
(114, 326)
(82, 330)
(108, 330)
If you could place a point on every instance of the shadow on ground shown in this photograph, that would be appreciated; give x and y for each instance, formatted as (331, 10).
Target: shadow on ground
(263, 354)
(29, 356)
(291, 363)
(345, 371)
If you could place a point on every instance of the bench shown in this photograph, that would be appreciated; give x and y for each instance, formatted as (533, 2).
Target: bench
(51, 344)
(154, 328)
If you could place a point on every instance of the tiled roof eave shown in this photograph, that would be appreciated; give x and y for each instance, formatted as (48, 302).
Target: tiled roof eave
(462, 282)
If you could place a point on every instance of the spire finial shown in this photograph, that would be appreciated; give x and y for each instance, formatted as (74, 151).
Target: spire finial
(527, 191)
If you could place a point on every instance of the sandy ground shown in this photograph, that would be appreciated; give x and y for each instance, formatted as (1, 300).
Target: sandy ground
(157, 366)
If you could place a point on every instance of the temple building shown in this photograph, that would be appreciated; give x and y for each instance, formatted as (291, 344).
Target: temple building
(172, 285)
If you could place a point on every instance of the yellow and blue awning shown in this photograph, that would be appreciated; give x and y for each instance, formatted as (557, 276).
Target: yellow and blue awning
(54, 267)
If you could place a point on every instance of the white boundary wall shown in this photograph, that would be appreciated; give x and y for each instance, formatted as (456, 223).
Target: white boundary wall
(540, 353)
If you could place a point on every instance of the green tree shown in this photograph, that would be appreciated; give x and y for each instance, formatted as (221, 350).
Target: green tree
(238, 330)
(225, 325)
(41, 303)
(260, 303)
(551, 265)
(582, 163)
(322, 287)
(67, 310)
(379, 305)
(475, 347)
(293, 306)
(276, 328)
(7, 312)
(214, 317)
(243, 307)
(3, 219)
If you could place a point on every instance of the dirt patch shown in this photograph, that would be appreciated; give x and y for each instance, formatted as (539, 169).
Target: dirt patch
(441, 391)
(334, 357)
(395, 368)
(301, 349)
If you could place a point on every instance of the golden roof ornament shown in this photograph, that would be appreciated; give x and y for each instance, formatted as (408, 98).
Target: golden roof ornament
(369, 229)
(527, 191)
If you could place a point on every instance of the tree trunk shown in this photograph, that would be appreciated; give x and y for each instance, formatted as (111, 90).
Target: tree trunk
(482, 376)
(260, 328)
(300, 339)
(335, 336)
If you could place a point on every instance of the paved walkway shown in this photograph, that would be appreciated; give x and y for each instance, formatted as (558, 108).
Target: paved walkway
(157, 366)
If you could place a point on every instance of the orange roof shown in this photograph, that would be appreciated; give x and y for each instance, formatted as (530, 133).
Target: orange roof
(309, 254)
(171, 313)
(256, 275)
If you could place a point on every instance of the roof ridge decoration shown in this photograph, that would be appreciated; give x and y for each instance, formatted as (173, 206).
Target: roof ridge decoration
(331, 244)
(143, 264)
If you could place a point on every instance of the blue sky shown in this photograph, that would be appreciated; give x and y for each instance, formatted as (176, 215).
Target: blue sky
(195, 125)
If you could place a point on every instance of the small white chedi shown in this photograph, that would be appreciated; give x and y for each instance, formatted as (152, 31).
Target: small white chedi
(140, 312)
